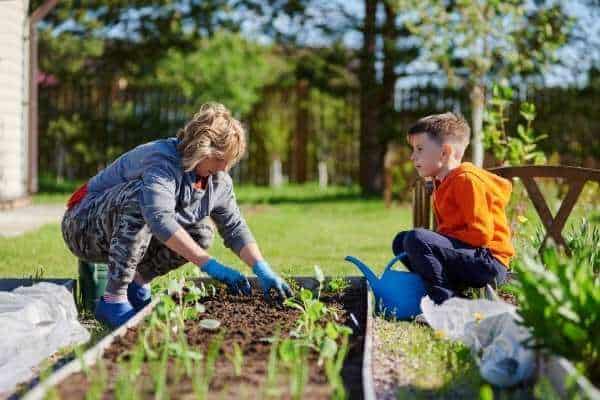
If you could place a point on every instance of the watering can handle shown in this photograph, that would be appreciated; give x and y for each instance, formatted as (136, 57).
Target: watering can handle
(394, 261)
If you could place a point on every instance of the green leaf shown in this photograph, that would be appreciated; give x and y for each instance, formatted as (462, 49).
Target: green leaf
(329, 348)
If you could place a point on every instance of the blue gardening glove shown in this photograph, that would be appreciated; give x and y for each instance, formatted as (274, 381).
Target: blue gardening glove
(270, 280)
(235, 281)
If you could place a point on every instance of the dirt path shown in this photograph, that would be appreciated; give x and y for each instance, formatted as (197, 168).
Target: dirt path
(24, 219)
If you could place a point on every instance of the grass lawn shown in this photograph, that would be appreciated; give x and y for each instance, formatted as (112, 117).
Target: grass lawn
(297, 228)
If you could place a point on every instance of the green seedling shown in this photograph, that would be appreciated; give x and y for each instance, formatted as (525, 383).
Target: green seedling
(271, 381)
(124, 386)
(160, 369)
(175, 286)
(312, 310)
(337, 285)
(334, 361)
(293, 355)
(236, 357)
(292, 282)
(98, 381)
(194, 293)
(201, 380)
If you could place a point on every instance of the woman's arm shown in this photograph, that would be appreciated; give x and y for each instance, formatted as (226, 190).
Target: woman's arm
(183, 244)
(250, 254)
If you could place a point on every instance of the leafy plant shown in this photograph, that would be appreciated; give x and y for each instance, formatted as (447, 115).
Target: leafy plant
(559, 301)
(312, 310)
(584, 242)
(513, 149)
(337, 285)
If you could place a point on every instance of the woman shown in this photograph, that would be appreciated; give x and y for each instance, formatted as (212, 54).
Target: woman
(146, 214)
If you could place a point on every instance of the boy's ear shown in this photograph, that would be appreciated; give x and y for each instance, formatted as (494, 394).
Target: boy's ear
(447, 150)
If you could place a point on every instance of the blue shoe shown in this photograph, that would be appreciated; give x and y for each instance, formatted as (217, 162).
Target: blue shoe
(138, 296)
(113, 314)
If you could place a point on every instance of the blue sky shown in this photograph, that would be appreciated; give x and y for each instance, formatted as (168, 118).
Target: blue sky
(576, 57)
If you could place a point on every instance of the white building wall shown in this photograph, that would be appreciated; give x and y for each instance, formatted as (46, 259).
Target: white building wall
(13, 98)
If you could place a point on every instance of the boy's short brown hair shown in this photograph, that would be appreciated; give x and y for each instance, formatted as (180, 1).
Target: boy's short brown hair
(444, 128)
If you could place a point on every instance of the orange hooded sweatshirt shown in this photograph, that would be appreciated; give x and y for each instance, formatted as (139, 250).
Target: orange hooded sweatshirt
(469, 205)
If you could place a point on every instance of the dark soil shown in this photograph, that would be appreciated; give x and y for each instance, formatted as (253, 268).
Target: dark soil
(247, 321)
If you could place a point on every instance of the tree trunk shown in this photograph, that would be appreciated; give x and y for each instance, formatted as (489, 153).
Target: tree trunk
(477, 107)
(388, 125)
(300, 140)
(370, 154)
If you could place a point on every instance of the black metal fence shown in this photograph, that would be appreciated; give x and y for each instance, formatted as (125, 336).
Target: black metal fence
(85, 126)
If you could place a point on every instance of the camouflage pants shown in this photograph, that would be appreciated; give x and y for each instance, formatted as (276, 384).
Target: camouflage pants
(110, 228)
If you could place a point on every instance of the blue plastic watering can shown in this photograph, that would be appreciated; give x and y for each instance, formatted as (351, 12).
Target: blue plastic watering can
(397, 293)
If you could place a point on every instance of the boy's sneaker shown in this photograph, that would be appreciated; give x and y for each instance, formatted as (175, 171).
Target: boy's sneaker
(139, 296)
(113, 314)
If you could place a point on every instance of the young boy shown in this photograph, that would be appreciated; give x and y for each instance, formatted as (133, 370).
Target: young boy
(472, 245)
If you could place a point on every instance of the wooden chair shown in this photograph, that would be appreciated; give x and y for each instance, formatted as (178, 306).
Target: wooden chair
(574, 177)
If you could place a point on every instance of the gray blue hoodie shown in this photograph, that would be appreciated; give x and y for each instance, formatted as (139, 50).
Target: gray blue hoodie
(168, 198)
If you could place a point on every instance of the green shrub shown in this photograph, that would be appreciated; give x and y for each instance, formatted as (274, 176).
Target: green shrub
(559, 299)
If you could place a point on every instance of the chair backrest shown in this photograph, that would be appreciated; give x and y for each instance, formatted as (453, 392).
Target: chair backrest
(574, 177)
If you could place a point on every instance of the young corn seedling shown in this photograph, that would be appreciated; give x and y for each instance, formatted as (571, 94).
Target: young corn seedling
(333, 368)
(124, 387)
(236, 357)
(159, 373)
(272, 366)
(205, 370)
(296, 357)
(129, 370)
(98, 380)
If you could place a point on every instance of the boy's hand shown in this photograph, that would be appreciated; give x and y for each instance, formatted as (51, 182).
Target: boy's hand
(235, 280)
(270, 280)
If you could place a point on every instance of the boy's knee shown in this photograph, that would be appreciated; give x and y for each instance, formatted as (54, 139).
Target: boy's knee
(398, 243)
(415, 240)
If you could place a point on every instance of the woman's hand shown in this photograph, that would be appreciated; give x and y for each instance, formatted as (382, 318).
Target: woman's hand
(270, 280)
(235, 280)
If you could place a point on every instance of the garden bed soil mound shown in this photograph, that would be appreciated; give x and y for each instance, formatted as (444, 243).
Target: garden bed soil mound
(247, 321)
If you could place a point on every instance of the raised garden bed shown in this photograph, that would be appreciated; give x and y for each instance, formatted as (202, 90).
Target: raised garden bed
(253, 353)
(9, 284)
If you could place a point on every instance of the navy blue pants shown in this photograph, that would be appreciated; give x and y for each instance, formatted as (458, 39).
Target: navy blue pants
(447, 265)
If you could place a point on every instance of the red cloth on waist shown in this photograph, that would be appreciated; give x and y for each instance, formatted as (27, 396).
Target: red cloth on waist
(77, 196)
(80, 193)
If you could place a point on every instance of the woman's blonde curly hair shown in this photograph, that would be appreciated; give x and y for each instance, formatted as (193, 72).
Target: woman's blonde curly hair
(212, 132)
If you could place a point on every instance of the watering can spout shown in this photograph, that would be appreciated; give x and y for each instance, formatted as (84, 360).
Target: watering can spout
(371, 277)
